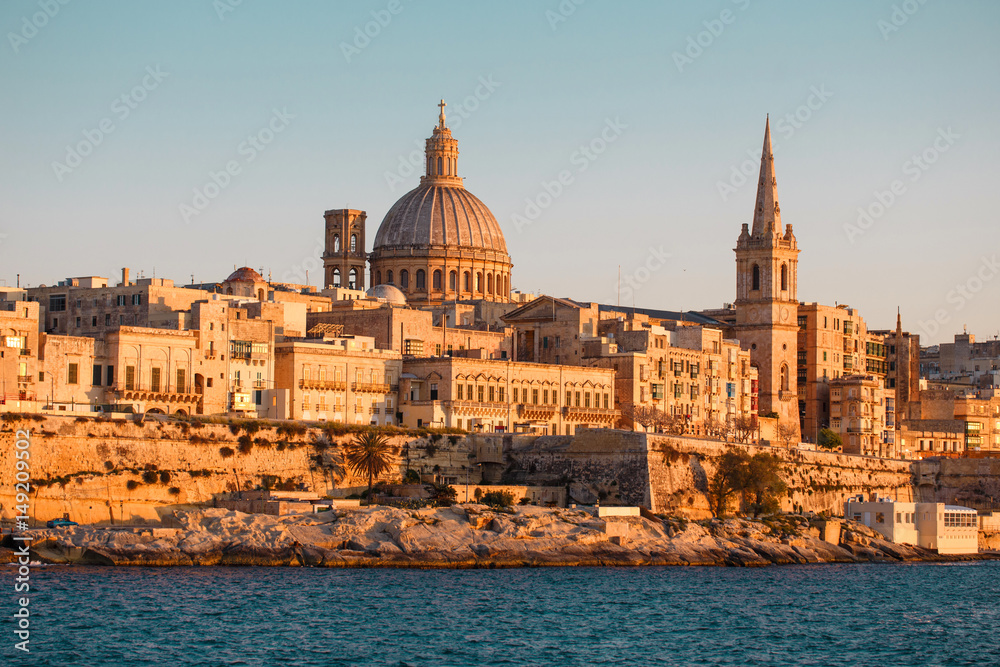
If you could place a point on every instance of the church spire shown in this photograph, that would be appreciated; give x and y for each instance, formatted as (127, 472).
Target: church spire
(767, 213)
(441, 150)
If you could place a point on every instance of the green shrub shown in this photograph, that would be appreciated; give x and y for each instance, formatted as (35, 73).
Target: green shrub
(498, 498)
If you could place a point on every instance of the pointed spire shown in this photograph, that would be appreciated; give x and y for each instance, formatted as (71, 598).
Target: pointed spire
(899, 323)
(767, 213)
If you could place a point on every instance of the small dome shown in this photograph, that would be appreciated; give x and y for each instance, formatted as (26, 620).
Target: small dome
(387, 292)
(244, 275)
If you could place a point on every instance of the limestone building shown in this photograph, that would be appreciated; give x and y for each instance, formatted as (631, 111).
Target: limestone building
(344, 257)
(766, 303)
(439, 242)
(858, 413)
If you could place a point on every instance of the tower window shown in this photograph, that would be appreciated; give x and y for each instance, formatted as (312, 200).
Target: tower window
(784, 277)
(489, 283)
(453, 280)
(437, 280)
(404, 279)
(421, 279)
(468, 282)
(440, 170)
(784, 377)
(756, 277)
(388, 277)
(479, 282)
(354, 242)
(336, 242)
(336, 278)
(353, 279)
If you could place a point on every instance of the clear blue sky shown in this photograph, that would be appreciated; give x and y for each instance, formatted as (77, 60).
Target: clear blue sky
(885, 96)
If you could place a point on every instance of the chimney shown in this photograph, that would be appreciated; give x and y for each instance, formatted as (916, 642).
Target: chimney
(125, 277)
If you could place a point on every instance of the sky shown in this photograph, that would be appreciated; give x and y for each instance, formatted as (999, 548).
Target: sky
(184, 138)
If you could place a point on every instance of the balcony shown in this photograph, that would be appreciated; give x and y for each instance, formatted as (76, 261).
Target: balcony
(328, 385)
(373, 388)
(24, 352)
(25, 378)
(590, 414)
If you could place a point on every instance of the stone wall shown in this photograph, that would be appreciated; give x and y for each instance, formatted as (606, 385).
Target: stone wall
(959, 481)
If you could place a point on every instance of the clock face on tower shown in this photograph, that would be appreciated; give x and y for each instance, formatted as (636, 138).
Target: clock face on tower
(754, 315)
(784, 314)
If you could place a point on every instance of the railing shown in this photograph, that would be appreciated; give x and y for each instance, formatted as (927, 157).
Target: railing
(333, 385)
(589, 411)
(25, 378)
(24, 352)
(373, 387)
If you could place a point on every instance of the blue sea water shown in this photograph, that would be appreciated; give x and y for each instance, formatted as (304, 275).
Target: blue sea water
(899, 614)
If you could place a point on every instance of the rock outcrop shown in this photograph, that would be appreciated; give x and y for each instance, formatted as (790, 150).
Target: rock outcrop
(465, 536)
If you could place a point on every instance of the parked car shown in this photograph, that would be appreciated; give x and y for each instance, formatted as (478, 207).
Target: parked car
(59, 523)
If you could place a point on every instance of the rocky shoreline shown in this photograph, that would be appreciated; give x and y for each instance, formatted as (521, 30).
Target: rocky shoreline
(471, 536)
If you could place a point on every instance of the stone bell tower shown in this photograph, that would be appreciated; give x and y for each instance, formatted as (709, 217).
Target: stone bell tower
(344, 258)
(766, 302)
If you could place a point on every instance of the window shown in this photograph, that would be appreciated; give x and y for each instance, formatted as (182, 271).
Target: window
(421, 279)
(154, 379)
(388, 277)
(354, 242)
(492, 394)
(784, 377)
(458, 392)
(434, 391)
(130, 377)
(57, 303)
(489, 283)
(500, 394)
(453, 280)
(78, 322)
(110, 376)
(136, 299)
(97, 376)
(352, 279)
(534, 397)
(181, 381)
(784, 277)
(479, 393)
(336, 242)
(605, 401)
(569, 398)
(756, 277)
(74, 370)
(437, 280)
(404, 279)
(479, 282)
(586, 399)
(120, 300)
(577, 397)
(93, 321)
(513, 394)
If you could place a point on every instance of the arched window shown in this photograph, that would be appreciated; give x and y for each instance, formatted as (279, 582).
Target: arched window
(336, 242)
(336, 278)
(756, 277)
(467, 282)
(388, 277)
(354, 242)
(500, 291)
(440, 170)
(479, 282)
(378, 277)
(421, 279)
(437, 280)
(784, 277)
(784, 377)
(453, 280)
(404, 279)
(260, 295)
(353, 279)
(489, 283)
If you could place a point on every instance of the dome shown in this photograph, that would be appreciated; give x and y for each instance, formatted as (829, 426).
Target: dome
(387, 292)
(440, 215)
(244, 275)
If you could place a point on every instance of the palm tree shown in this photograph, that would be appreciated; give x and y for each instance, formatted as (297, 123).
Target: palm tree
(369, 454)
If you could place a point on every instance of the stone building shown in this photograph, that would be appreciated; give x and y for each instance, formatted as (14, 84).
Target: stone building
(439, 242)
(332, 377)
(492, 395)
(902, 374)
(858, 414)
(19, 367)
(344, 257)
(766, 303)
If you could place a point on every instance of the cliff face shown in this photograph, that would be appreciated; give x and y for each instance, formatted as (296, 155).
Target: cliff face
(970, 482)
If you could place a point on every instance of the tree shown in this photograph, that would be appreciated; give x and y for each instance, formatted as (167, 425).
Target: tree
(644, 415)
(762, 485)
(787, 433)
(743, 428)
(369, 454)
(715, 427)
(829, 439)
(727, 480)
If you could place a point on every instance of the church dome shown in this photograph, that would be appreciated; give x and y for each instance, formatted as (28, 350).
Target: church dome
(439, 242)
(244, 275)
(440, 215)
(388, 293)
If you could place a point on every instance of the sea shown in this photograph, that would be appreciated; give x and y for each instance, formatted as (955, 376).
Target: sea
(863, 614)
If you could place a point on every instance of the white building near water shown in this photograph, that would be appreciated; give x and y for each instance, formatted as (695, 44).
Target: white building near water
(947, 529)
